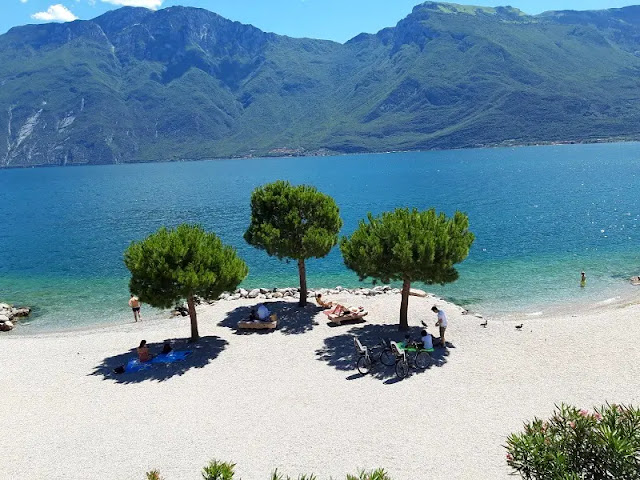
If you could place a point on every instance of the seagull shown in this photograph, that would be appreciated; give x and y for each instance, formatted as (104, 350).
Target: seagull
(484, 324)
(519, 327)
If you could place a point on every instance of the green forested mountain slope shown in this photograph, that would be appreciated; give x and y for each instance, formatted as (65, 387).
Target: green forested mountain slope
(137, 85)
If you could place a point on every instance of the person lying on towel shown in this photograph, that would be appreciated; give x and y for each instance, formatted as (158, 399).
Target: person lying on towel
(341, 310)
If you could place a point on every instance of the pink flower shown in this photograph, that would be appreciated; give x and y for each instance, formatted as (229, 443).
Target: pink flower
(584, 413)
(509, 457)
(597, 416)
(572, 424)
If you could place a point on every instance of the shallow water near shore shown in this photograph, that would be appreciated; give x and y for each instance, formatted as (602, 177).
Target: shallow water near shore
(540, 216)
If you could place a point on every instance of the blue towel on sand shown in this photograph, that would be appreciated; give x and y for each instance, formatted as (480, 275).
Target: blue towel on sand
(134, 365)
(171, 357)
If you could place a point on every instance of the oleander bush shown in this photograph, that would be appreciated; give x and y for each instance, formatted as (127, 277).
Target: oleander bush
(578, 444)
(216, 470)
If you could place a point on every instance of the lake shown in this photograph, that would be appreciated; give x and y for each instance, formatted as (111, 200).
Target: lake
(540, 216)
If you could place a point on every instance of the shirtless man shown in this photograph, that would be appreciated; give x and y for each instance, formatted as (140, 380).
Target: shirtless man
(134, 303)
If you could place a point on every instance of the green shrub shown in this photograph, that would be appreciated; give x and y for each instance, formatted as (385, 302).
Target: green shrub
(225, 471)
(378, 474)
(278, 476)
(579, 445)
(218, 471)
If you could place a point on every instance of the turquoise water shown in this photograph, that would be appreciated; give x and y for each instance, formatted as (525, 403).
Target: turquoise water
(540, 215)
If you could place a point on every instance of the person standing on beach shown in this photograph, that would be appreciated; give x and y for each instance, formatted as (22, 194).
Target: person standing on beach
(442, 323)
(583, 280)
(134, 303)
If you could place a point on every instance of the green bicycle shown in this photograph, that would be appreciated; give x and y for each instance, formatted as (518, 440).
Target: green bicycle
(410, 356)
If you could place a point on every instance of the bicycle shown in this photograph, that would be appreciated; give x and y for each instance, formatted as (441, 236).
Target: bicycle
(380, 352)
(410, 356)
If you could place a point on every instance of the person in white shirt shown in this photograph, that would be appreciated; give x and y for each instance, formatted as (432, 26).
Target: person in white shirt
(442, 323)
(427, 340)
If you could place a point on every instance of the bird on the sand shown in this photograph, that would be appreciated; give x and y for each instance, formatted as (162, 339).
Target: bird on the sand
(519, 327)
(484, 324)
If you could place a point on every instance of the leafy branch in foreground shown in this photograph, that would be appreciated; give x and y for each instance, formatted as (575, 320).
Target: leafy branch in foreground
(579, 445)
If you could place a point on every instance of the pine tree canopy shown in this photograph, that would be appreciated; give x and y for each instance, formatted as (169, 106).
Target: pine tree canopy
(408, 245)
(296, 222)
(170, 265)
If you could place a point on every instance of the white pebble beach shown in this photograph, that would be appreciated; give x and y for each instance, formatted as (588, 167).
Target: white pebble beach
(291, 399)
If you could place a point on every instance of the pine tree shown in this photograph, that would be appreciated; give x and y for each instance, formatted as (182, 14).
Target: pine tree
(293, 222)
(409, 246)
(172, 265)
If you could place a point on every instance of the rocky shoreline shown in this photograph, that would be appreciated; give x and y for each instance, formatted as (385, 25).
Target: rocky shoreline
(294, 293)
(270, 293)
(9, 315)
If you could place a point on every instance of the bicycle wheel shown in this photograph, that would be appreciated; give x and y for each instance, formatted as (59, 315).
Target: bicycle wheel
(387, 357)
(364, 364)
(402, 369)
(423, 360)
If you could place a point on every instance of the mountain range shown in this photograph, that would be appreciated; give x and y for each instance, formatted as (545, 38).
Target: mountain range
(136, 85)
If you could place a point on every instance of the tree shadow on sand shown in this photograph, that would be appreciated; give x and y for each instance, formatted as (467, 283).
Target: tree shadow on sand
(292, 319)
(339, 351)
(202, 352)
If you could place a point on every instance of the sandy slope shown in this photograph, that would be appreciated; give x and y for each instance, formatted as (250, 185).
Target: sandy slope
(291, 399)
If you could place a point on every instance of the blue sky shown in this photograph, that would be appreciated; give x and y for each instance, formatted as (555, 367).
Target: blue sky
(329, 19)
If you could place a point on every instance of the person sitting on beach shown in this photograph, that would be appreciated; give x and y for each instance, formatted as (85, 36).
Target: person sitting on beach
(322, 303)
(263, 313)
(427, 340)
(143, 352)
(166, 348)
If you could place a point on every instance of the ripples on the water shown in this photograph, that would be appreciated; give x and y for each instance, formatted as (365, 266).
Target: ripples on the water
(540, 215)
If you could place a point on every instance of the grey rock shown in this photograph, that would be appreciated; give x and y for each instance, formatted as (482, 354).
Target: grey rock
(5, 306)
(6, 326)
(268, 296)
(243, 293)
(265, 290)
(253, 293)
(235, 296)
(277, 295)
(4, 318)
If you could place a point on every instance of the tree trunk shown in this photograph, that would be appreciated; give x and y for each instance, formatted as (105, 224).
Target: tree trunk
(194, 319)
(404, 306)
(303, 283)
